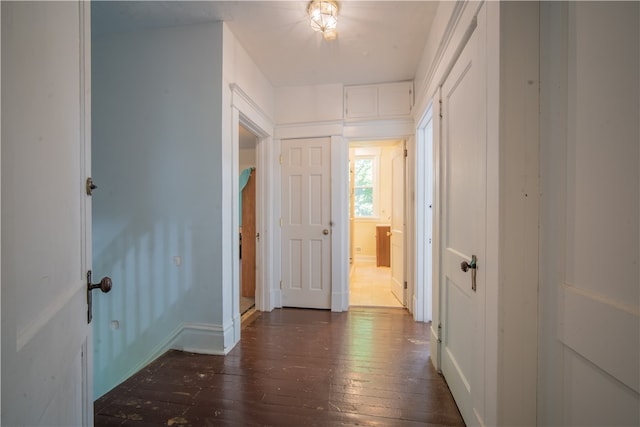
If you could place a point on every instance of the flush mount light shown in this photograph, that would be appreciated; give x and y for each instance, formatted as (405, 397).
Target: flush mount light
(323, 17)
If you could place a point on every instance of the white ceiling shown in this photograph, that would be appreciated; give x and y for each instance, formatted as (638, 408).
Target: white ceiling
(378, 41)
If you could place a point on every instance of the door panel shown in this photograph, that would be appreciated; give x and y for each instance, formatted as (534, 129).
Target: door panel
(46, 341)
(306, 211)
(590, 230)
(463, 227)
(397, 225)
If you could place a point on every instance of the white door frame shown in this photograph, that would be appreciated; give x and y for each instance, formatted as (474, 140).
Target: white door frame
(404, 245)
(408, 227)
(246, 113)
(340, 134)
(424, 261)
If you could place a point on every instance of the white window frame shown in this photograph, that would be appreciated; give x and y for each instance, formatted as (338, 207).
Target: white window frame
(374, 155)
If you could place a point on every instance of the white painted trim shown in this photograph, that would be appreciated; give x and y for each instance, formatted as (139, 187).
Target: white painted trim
(380, 129)
(275, 292)
(309, 130)
(233, 223)
(424, 178)
(85, 136)
(200, 338)
(242, 101)
(434, 340)
(86, 247)
(437, 210)
(340, 224)
(1, 317)
(462, 23)
(264, 251)
(452, 24)
(410, 226)
(250, 115)
(493, 357)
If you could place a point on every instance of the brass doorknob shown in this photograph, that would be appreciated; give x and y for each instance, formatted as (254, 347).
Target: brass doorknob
(325, 231)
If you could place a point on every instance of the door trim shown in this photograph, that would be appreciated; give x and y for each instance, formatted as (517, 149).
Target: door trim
(86, 254)
(424, 292)
(246, 113)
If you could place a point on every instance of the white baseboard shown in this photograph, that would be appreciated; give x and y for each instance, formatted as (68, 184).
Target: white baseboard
(204, 338)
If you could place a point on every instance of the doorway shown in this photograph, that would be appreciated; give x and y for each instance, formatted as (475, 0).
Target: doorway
(247, 218)
(376, 219)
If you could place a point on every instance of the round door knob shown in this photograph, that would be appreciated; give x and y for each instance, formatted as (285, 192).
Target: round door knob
(464, 266)
(104, 285)
(325, 231)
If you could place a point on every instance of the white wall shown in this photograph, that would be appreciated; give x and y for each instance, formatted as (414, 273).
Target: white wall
(246, 92)
(157, 162)
(247, 158)
(442, 30)
(302, 104)
(239, 69)
(511, 49)
(166, 164)
(589, 345)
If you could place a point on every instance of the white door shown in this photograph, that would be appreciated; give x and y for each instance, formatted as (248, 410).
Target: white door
(463, 228)
(589, 333)
(397, 224)
(46, 243)
(306, 223)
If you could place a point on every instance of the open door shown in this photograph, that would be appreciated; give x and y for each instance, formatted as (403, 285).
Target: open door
(397, 225)
(248, 286)
(46, 214)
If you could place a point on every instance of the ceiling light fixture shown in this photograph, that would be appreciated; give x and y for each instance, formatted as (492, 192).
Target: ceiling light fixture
(323, 17)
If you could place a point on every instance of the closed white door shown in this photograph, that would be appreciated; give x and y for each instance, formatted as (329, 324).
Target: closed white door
(589, 354)
(397, 225)
(306, 223)
(463, 228)
(46, 340)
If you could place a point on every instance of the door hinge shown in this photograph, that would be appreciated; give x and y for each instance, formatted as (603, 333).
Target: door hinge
(281, 222)
(281, 159)
(439, 332)
(280, 284)
(440, 112)
(405, 284)
(406, 152)
(90, 186)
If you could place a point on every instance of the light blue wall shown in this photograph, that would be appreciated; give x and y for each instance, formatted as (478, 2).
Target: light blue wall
(156, 158)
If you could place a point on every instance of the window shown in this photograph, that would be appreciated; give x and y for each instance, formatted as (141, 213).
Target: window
(364, 186)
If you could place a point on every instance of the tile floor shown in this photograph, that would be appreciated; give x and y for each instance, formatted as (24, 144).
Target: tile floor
(371, 286)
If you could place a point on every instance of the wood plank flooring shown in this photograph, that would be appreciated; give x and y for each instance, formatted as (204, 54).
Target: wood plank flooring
(294, 367)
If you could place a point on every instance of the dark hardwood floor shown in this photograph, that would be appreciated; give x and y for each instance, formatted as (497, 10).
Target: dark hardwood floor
(294, 367)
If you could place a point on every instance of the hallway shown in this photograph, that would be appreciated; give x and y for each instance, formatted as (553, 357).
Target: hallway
(367, 366)
(371, 286)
